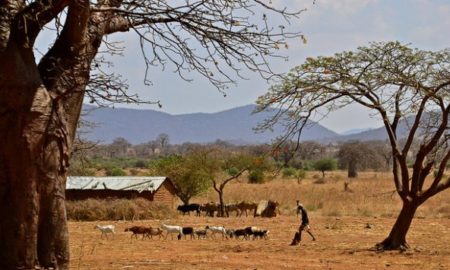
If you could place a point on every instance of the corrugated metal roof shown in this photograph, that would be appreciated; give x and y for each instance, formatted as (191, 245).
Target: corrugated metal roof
(137, 183)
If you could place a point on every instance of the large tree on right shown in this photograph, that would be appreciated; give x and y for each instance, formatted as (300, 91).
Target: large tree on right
(408, 89)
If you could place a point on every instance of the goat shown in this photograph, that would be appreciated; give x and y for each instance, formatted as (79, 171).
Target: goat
(244, 206)
(186, 231)
(216, 229)
(209, 208)
(261, 234)
(187, 208)
(249, 231)
(201, 233)
(229, 232)
(155, 231)
(256, 232)
(106, 229)
(172, 229)
(145, 231)
(240, 232)
(232, 207)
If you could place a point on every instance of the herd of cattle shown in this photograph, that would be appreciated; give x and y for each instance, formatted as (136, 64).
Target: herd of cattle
(211, 208)
(180, 232)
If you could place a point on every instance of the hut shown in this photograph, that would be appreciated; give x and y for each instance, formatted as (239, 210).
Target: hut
(158, 189)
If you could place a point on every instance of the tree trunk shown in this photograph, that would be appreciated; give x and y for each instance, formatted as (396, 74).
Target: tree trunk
(33, 165)
(397, 236)
(352, 173)
(221, 204)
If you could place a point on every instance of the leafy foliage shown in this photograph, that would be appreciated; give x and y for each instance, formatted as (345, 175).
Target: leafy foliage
(395, 82)
(288, 172)
(256, 176)
(190, 174)
(114, 171)
(326, 164)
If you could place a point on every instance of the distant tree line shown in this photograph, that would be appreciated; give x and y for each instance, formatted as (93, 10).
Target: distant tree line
(293, 159)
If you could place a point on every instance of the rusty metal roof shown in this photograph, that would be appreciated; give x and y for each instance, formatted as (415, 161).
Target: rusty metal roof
(138, 183)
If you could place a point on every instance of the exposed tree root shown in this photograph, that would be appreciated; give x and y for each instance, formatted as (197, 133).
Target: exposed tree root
(388, 244)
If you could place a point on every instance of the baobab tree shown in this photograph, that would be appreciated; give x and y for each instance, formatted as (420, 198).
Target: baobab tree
(40, 102)
(356, 155)
(403, 86)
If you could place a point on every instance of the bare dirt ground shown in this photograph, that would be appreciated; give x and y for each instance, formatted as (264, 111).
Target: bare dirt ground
(343, 243)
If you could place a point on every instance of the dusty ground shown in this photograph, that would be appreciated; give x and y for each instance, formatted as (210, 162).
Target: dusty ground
(343, 243)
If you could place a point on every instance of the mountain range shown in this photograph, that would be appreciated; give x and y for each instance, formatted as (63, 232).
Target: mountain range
(234, 125)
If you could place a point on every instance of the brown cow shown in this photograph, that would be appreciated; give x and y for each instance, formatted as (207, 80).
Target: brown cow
(245, 206)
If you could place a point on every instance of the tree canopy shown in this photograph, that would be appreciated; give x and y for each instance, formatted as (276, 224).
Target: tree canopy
(400, 84)
(326, 164)
(356, 155)
(40, 102)
(190, 174)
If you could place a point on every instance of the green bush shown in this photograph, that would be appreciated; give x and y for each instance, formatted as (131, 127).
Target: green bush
(141, 164)
(308, 165)
(256, 177)
(232, 171)
(114, 171)
(326, 164)
(301, 174)
(288, 172)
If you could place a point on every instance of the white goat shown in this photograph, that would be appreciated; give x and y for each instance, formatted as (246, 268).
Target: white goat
(172, 229)
(106, 229)
(217, 229)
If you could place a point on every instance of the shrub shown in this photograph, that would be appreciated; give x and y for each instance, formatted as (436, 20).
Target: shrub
(301, 174)
(326, 164)
(232, 171)
(256, 177)
(114, 171)
(78, 169)
(141, 164)
(288, 172)
(308, 165)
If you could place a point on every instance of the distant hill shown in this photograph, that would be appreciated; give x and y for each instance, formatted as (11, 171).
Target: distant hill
(377, 133)
(354, 131)
(234, 125)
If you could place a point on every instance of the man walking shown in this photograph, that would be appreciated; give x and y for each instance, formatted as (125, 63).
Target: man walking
(304, 225)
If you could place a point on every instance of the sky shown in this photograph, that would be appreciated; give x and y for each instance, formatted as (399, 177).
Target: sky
(330, 26)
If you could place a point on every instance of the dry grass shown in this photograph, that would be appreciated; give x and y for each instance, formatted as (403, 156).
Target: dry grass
(342, 244)
(338, 219)
(114, 209)
(373, 195)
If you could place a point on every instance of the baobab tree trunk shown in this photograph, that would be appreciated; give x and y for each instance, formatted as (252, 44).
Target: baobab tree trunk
(397, 236)
(352, 173)
(34, 157)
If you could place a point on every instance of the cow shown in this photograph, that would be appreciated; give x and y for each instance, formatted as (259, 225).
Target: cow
(188, 208)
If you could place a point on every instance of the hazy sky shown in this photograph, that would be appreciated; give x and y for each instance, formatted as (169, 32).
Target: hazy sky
(329, 25)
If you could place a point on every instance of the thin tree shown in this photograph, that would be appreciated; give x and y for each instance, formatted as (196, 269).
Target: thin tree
(405, 87)
(235, 165)
(40, 103)
(325, 164)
